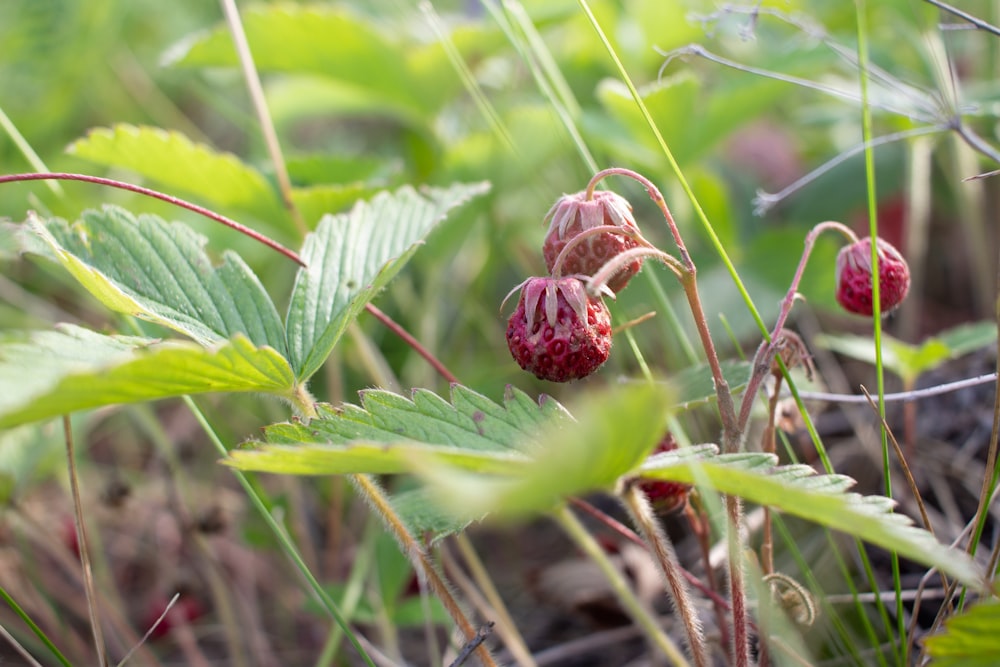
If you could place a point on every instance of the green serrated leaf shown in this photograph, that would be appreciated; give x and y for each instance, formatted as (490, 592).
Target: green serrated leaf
(969, 639)
(160, 272)
(617, 428)
(797, 490)
(350, 257)
(51, 373)
(182, 166)
(388, 432)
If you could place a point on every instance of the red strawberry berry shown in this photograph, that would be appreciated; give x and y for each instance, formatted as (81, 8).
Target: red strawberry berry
(575, 213)
(854, 277)
(665, 496)
(558, 331)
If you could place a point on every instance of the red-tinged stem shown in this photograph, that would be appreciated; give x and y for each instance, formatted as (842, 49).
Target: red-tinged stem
(737, 587)
(586, 234)
(762, 361)
(630, 535)
(654, 194)
(410, 340)
(170, 199)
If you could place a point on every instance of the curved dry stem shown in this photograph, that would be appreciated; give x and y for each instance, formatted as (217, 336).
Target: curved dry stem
(81, 537)
(638, 506)
(176, 201)
(259, 102)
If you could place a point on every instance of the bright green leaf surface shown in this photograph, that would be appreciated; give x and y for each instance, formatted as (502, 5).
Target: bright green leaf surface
(181, 166)
(797, 490)
(368, 457)
(615, 431)
(970, 639)
(160, 272)
(332, 42)
(350, 257)
(50, 373)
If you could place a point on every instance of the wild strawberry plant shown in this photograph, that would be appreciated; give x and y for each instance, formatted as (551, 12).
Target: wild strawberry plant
(474, 458)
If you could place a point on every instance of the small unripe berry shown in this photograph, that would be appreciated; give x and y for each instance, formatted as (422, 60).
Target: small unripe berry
(854, 277)
(558, 331)
(574, 214)
(664, 495)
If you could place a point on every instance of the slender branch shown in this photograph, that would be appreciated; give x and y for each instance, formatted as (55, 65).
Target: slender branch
(176, 201)
(81, 536)
(965, 16)
(638, 506)
(410, 340)
(737, 587)
(654, 194)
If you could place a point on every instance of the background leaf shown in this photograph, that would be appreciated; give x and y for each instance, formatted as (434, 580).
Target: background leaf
(350, 257)
(332, 42)
(182, 166)
(910, 361)
(160, 272)
(58, 372)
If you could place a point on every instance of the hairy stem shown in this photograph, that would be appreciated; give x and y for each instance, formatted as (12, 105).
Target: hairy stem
(623, 591)
(378, 501)
(638, 506)
(737, 587)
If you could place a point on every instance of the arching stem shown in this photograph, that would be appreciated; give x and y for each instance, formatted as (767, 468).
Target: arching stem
(176, 201)
(765, 353)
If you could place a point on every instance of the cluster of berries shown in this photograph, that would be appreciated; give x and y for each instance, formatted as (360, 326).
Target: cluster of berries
(560, 331)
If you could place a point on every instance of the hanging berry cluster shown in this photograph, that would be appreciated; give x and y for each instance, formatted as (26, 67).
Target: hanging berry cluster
(560, 330)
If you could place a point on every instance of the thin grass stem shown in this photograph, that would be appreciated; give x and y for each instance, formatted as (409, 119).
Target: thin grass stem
(37, 631)
(81, 536)
(257, 500)
(257, 99)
